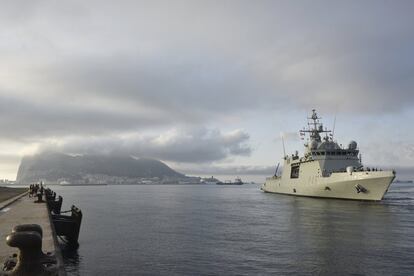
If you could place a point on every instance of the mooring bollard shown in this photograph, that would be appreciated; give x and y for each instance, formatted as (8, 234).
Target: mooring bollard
(68, 226)
(65, 226)
(45, 258)
(30, 260)
(39, 198)
(55, 205)
(28, 227)
(49, 195)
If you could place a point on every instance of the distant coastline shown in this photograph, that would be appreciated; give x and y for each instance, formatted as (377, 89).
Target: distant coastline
(403, 181)
(103, 184)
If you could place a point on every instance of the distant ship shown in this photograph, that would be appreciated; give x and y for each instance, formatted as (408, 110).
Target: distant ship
(237, 181)
(403, 181)
(209, 180)
(328, 170)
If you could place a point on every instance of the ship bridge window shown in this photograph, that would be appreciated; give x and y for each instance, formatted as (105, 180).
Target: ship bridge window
(344, 153)
(294, 172)
(322, 153)
(318, 153)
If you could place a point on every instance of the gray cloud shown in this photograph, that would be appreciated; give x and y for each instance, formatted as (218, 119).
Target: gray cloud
(8, 165)
(287, 136)
(207, 57)
(27, 119)
(96, 70)
(9, 158)
(398, 153)
(188, 146)
(189, 88)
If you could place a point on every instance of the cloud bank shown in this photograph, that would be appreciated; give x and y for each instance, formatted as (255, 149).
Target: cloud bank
(94, 70)
(187, 146)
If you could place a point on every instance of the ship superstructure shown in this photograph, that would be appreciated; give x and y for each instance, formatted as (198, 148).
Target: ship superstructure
(328, 170)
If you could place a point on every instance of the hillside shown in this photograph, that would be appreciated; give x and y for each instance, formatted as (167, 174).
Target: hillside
(57, 167)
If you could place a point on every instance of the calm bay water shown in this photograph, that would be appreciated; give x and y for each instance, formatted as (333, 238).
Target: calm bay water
(238, 230)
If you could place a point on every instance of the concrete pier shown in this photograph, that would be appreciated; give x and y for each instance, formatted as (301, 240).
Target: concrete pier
(23, 210)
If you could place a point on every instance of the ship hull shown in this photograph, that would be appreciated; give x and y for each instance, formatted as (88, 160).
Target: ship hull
(355, 186)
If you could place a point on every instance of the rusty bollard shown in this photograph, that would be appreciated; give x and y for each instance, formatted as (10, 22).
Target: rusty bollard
(56, 206)
(28, 227)
(47, 258)
(31, 260)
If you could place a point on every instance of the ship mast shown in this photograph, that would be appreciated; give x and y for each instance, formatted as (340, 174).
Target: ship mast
(315, 127)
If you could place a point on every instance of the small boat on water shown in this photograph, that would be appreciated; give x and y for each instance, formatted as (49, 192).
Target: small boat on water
(237, 181)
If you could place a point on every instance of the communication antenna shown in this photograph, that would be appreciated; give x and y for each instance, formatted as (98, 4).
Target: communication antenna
(283, 144)
(334, 124)
(333, 129)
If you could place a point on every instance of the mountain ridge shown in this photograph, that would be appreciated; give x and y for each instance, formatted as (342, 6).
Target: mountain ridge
(55, 167)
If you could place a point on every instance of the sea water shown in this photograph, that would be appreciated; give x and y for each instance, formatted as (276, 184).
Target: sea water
(237, 230)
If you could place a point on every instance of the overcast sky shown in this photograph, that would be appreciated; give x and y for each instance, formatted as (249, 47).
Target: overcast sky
(206, 86)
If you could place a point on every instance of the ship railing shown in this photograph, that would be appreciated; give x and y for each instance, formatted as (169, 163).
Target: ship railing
(343, 170)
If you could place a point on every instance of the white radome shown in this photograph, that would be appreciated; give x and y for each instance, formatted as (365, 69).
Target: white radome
(352, 145)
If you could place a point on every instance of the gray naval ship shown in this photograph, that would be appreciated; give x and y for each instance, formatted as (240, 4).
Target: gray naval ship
(328, 170)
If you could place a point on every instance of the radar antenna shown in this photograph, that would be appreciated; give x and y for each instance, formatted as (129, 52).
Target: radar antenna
(315, 127)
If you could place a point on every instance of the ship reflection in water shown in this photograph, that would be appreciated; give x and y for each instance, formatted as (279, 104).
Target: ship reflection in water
(238, 230)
